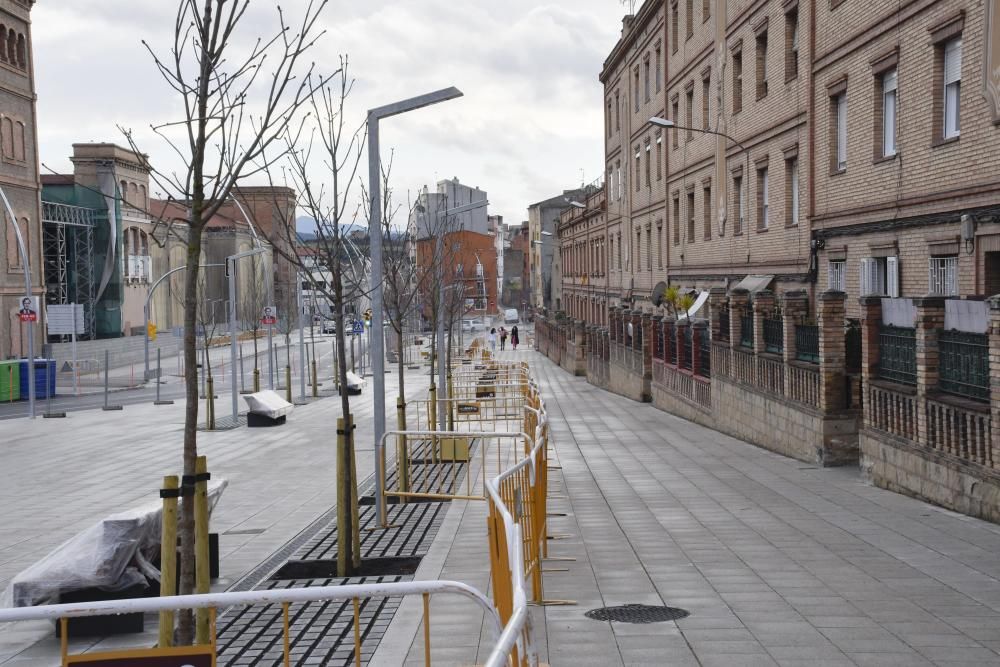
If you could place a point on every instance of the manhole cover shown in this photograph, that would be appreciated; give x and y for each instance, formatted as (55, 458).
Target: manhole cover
(637, 613)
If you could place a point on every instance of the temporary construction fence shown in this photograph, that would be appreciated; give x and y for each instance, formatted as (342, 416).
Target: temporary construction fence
(514, 488)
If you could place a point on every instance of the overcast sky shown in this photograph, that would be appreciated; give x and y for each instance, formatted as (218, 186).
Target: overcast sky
(530, 121)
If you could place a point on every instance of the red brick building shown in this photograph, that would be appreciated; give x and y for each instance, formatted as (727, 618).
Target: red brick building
(470, 260)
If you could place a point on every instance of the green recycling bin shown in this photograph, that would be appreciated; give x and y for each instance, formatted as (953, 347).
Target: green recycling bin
(10, 381)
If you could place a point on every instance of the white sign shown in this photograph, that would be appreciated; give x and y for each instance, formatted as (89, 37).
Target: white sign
(65, 319)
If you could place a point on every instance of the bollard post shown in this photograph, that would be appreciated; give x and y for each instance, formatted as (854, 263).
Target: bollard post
(107, 362)
(432, 418)
(288, 383)
(314, 378)
(210, 398)
(201, 557)
(168, 556)
(256, 380)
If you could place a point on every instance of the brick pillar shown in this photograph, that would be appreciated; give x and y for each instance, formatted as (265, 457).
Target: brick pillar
(716, 303)
(763, 303)
(871, 319)
(699, 330)
(646, 343)
(657, 335)
(930, 319)
(831, 312)
(994, 304)
(794, 309)
(739, 301)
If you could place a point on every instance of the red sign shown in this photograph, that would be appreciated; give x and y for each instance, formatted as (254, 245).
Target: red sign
(269, 316)
(27, 315)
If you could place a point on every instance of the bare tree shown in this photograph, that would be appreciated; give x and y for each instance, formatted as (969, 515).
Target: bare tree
(253, 299)
(239, 95)
(326, 143)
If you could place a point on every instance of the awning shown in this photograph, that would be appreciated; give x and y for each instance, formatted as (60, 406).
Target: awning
(754, 284)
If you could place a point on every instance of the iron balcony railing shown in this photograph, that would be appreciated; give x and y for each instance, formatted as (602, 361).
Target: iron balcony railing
(746, 330)
(807, 343)
(774, 335)
(964, 364)
(897, 350)
(706, 354)
(724, 324)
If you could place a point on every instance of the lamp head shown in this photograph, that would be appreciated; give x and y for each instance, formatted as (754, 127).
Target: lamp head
(661, 122)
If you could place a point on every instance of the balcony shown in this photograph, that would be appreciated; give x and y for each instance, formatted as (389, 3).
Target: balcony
(138, 269)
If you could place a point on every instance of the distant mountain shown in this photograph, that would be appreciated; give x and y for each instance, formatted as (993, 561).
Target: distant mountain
(305, 226)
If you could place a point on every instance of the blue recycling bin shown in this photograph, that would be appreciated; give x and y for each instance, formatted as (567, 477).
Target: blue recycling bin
(45, 378)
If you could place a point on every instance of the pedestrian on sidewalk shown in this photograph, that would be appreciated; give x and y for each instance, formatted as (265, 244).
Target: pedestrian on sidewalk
(514, 340)
(503, 339)
(493, 340)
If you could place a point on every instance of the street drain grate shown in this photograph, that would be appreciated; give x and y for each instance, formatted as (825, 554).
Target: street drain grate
(637, 613)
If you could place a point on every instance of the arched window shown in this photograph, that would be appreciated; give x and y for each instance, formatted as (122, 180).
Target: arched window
(7, 137)
(3, 42)
(19, 141)
(124, 191)
(143, 202)
(133, 192)
(12, 46)
(22, 59)
(143, 244)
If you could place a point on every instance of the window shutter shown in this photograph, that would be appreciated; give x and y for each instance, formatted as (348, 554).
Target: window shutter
(953, 61)
(866, 275)
(892, 276)
(831, 282)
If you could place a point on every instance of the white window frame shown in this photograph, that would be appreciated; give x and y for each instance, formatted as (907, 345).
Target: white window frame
(836, 275)
(765, 214)
(880, 276)
(942, 278)
(841, 131)
(889, 112)
(795, 191)
(952, 75)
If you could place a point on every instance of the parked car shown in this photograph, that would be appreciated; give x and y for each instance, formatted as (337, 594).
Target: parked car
(510, 316)
(329, 327)
(473, 325)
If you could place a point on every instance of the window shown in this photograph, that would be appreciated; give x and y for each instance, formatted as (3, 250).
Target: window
(609, 119)
(12, 46)
(3, 42)
(706, 96)
(952, 72)
(646, 79)
(689, 19)
(791, 45)
(7, 137)
(619, 251)
(673, 26)
(649, 248)
(621, 185)
(638, 169)
(762, 65)
(689, 110)
(611, 249)
(706, 210)
(659, 68)
(836, 275)
(690, 216)
(636, 89)
(763, 214)
(943, 276)
(638, 250)
(677, 219)
(737, 81)
(674, 113)
(880, 276)
(887, 83)
(14, 262)
(659, 155)
(738, 204)
(792, 186)
(706, 10)
(618, 114)
(838, 109)
(659, 244)
(649, 159)
(22, 61)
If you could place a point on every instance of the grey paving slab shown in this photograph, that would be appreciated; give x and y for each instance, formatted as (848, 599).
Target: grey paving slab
(779, 562)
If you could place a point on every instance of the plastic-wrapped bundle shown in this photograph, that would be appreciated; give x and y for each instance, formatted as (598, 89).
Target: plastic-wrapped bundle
(114, 554)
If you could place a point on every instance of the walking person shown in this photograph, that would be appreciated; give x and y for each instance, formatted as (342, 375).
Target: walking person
(503, 339)
(514, 340)
(493, 340)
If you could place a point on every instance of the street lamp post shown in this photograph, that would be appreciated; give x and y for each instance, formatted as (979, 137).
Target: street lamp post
(26, 265)
(375, 242)
(231, 275)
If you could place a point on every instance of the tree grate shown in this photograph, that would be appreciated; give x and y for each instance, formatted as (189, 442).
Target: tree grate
(637, 613)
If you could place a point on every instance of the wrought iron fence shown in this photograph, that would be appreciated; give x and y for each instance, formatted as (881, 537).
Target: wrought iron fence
(897, 351)
(746, 330)
(686, 358)
(706, 354)
(724, 324)
(852, 343)
(964, 364)
(670, 343)
(807, 343)
(774, 335)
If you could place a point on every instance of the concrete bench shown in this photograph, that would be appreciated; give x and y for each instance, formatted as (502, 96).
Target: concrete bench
(355, 383)
(266, 408)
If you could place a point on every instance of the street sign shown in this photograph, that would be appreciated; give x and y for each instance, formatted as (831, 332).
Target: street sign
(29, 309)
(359, 327)
(269, 316)
(65, 319)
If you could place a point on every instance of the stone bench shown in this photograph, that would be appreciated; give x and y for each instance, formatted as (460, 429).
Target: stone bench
(266, 408)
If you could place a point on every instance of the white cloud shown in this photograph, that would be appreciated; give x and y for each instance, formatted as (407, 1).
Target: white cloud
(530, 120)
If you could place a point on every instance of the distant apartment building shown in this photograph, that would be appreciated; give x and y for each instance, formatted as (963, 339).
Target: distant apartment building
(19, 177)
(583, 247)
(517, 276)
(543, 257)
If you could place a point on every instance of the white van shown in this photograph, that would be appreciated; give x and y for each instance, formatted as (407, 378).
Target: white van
(510, 316)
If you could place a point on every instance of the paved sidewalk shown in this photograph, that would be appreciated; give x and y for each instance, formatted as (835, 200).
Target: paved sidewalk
(778, 562)
(62, 476)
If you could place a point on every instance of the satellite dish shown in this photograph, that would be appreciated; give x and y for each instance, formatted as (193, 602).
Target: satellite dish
(658, 292)
(698, 303)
